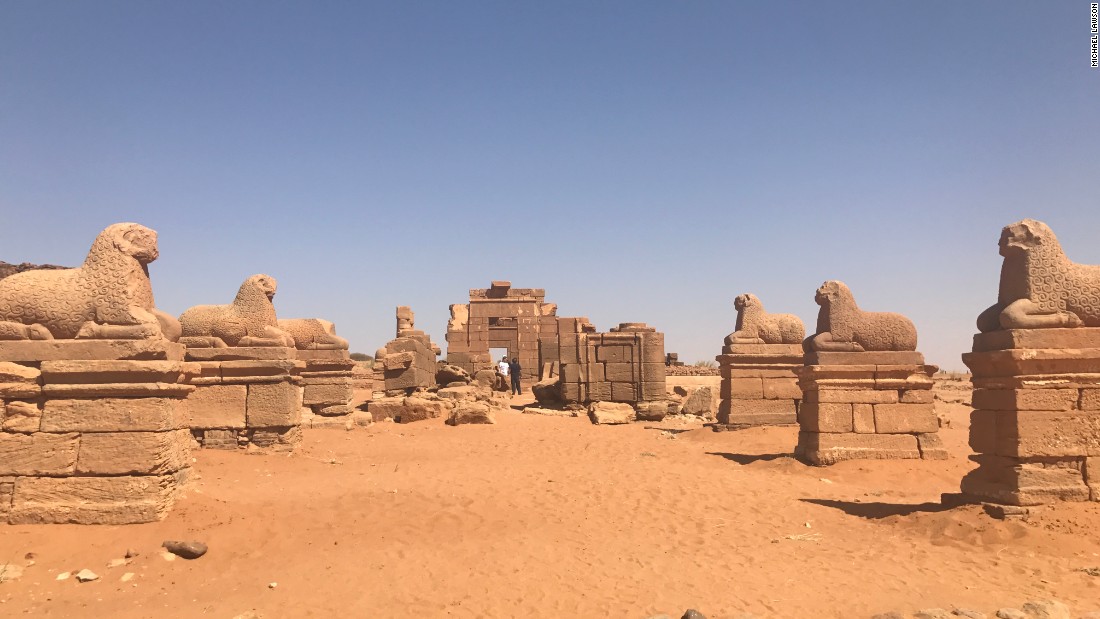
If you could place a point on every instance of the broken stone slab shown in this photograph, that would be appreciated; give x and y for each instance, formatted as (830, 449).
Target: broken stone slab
(471, 413)
(609, 413)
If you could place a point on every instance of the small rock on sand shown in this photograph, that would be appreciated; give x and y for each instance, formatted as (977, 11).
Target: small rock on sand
(10, 571)
(86, 575)
(187, 550)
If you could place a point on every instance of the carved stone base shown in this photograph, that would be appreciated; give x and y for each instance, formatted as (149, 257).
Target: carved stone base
(871, 405)
(92, 431)
(1036, 420)
(242, 391)
(759, 384)
(326, 381)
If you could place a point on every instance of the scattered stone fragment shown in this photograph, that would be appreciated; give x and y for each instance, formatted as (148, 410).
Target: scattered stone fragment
(127, 577)
(969, 614)
(691, 613)
(187, 550)
(117, 563)
(30, 556)
(64, 576)
(1004, 512)
(10, 571)
(131, 553)
(272, 585)
(86, 575)
(1011, 613)
(890, 615)
(932, 613)
(167, 556)
(1046, 609)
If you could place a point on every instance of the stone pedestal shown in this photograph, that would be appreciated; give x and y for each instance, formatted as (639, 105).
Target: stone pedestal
(245, 397)
(1036, 420)
(759, 384)
(866, 405)
(326, 381)
(93, 430)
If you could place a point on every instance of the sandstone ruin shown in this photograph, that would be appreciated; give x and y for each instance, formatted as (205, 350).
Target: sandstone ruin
(625, 365)
(91, 388)
(325, 368)
(501, 317)
(1036, 374)
(866, 392)
(758, 362)
(406, 363)
(248, 392)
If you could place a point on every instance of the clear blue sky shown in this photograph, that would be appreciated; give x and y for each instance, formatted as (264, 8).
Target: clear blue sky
(641, 161)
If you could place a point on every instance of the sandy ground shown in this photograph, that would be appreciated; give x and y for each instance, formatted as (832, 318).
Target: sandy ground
(554, 517)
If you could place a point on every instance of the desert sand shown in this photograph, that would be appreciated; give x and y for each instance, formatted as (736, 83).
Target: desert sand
(554, 517)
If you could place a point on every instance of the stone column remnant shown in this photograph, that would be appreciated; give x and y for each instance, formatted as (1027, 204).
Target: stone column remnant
(866, 392)
(1036, 373)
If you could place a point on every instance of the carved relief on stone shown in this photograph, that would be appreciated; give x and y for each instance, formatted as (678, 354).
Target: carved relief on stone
(249, 320)
(1040, 287)
(842, 326)
(108, 297)
(755, 326)
(313, 334)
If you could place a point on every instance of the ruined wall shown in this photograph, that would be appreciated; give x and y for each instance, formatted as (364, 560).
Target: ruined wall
(500, 317)
(406, 363)
(626, 364)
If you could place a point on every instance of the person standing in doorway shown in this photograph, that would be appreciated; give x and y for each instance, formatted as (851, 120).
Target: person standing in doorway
(513, 371)
(503, 365)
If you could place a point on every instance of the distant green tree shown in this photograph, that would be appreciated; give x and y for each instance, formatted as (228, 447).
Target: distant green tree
(705, 364)
(358, 356)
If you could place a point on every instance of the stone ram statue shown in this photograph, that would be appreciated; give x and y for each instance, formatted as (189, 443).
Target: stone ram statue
(313, 334)
(248, 321)
(755, 326)
(1040, 286)
(108, 297)
(843, 327)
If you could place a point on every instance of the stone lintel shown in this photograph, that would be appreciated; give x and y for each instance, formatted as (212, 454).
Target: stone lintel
(34, 351)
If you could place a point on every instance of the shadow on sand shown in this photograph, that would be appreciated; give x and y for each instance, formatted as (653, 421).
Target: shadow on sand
(880, 510)
(750, 458)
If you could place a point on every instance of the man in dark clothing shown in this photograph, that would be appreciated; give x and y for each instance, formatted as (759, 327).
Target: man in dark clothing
(513, 372)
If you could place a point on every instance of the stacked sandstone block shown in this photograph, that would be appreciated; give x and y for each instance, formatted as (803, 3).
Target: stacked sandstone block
(1036, 374)
(759, 384)
(405, 364)
(866, 392)
(757, 365)
(93, 430)
(327, 382)
(625, 365)
(867, 405)
(1036, 419)
(245, 397)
